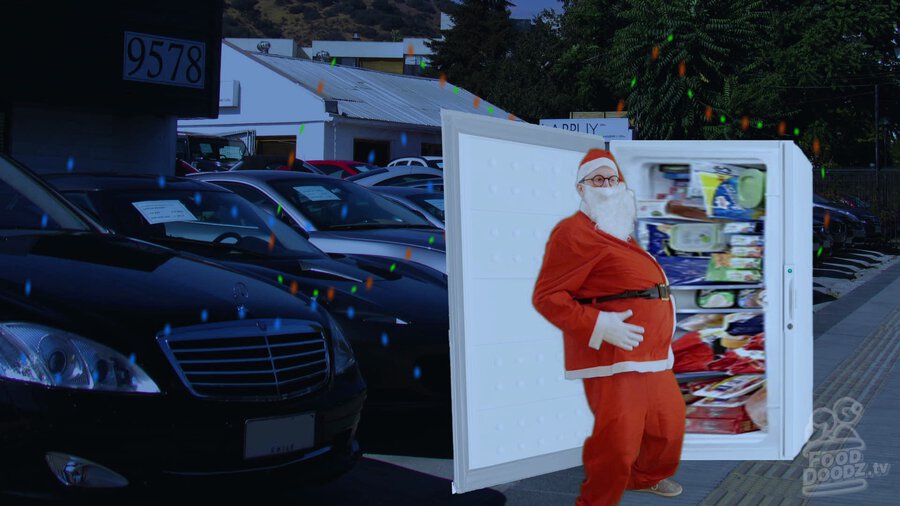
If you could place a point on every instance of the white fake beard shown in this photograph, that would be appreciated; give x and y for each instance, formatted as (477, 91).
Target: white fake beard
(612, 209)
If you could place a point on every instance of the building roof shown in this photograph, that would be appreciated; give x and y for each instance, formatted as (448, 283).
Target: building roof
(373, 95)
(369, 49)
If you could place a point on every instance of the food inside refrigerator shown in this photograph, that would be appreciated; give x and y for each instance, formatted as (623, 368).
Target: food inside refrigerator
(704, 223)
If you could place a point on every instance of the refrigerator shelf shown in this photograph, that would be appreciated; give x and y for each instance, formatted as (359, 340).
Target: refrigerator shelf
(672, 219)
(722, 310)
(749, 286)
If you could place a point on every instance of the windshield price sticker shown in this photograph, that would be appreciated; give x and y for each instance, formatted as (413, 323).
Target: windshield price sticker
(163, 211)
(316, 193)
(164, 60)
(438, 203)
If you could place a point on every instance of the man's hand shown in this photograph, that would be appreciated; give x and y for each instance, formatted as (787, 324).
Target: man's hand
(611, 327)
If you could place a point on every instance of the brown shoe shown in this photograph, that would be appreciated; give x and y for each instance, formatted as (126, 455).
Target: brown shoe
(667, 488)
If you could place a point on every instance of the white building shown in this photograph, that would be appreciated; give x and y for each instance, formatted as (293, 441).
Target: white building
(324, 111)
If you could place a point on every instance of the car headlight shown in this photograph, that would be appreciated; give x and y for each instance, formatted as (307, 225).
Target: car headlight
(343, 353)
(38, 354)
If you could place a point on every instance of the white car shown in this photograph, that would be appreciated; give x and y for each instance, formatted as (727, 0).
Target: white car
(435, 162)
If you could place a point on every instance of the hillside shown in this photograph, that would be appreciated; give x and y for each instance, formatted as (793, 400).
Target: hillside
(373, 20)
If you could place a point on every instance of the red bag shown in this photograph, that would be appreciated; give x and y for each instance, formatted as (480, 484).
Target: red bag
(692, 354)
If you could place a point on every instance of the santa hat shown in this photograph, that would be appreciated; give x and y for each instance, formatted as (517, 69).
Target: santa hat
(596, 158)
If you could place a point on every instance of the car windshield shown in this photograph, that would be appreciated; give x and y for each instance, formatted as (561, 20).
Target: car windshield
(212, 220)
(337, 204)
(26, 205)
(434, 204)
(216, 148)
(363, 167)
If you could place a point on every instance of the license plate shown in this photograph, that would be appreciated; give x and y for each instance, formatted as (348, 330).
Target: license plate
(274, 436)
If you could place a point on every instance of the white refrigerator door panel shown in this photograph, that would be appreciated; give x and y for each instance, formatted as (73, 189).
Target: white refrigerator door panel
(798, 323)
(506, 185)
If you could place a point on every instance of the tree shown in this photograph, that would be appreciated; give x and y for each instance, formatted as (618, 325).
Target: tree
(471, 52)
(672, 59)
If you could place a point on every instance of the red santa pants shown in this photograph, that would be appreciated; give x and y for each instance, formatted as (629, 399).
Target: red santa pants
(639, 420)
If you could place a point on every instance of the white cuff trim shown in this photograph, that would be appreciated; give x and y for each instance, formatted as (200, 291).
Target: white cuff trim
(596, 337)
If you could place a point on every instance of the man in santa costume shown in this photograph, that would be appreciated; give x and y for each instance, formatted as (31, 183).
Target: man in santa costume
(610, 299)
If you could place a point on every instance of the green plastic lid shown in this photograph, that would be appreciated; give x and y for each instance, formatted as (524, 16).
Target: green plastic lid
(751, 188)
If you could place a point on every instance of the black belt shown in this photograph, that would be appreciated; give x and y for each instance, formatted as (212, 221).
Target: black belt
(659, 291)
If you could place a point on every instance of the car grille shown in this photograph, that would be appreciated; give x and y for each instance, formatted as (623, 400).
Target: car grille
(249, 367)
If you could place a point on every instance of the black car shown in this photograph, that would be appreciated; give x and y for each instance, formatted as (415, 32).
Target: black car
(394, 312)
(129, 366)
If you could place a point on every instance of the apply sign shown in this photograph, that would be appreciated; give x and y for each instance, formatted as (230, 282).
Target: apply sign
(608, 128)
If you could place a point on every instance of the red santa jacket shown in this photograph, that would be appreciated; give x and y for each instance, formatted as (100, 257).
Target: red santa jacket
(581, 261)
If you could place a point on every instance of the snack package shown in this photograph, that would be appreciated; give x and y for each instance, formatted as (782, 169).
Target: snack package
(752, 298)
(719, 425)
(729, 261)
(715, 273)
(747, 251)
(742, 227)
(683, 270)
(746, 240)
(715, 299)
(708, 407)
(651, 208)
(733, 387)
(756, 408)
(701, 321)
(744, 324)
(692, 209)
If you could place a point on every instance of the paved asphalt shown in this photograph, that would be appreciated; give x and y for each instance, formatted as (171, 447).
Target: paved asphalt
(856, 332)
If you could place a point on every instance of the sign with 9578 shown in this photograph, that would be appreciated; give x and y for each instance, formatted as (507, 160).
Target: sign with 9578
(163, 60)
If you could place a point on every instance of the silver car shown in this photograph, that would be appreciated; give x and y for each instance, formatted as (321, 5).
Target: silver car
(429, 204)
(391, 176)
(340, 216)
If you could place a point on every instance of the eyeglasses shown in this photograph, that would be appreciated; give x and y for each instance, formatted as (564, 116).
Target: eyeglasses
(598, 180)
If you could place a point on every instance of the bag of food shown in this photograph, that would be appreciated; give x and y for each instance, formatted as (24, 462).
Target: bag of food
(729, 261)
(747, 251)
(746, 240)
(733, 386)
(715, 299)
(756, 408)
(701, 321)
(744, 326)
(752, 298)
(742, 227)
(715, 273)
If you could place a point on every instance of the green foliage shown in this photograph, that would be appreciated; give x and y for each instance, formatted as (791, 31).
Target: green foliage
(473, 50)
(712, 39)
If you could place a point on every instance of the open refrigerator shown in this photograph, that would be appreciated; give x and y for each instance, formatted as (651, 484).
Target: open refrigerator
(731, 224)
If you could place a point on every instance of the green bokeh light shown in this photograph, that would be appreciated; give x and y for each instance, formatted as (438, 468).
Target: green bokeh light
(722, 119)
(633, 81)
(280, 279)
(353, 289)
(455, 89)
(393, 266)
(819, 253)
(759, 124)
(690, 93)
(796, 131)
(670, 37)
(316, 293)
(333, 61)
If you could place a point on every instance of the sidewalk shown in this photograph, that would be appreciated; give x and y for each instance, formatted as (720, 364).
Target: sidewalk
(857, 343)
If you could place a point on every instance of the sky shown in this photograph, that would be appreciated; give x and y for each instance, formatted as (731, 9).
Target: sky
(529, 8)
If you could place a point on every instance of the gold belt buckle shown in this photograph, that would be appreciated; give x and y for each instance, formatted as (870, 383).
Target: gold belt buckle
(663, 291)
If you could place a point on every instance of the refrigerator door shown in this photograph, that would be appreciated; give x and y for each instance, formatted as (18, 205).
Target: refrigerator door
(798, 310)
(507, 184)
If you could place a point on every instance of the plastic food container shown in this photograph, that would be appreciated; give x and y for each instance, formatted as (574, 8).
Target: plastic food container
(697, 237)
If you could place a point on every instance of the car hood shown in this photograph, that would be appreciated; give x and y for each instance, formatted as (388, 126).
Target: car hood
(124, 292)
(425, 237)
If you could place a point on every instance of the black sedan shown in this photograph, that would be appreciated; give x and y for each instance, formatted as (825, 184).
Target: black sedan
(126, 365)
(394, 312)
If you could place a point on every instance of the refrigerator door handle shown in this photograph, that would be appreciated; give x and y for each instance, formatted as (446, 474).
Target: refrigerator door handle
(789, 273)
